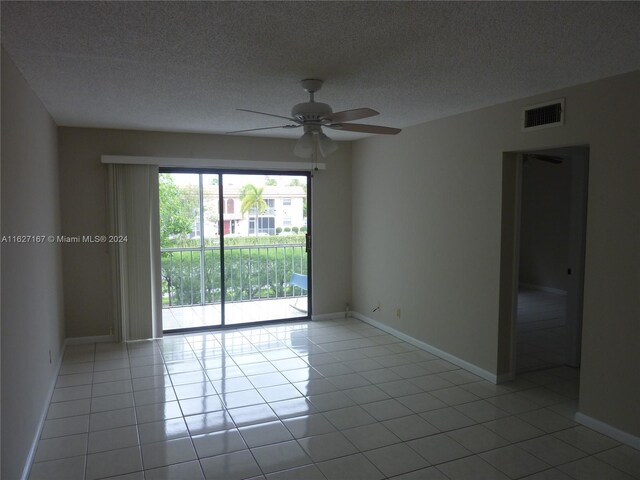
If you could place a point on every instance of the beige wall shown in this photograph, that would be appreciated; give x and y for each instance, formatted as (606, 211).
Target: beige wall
(427, 230)
(83, 183)
(32, 321)
(544, 229)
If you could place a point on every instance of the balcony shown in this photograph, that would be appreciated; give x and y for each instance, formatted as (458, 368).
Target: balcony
(256, 284)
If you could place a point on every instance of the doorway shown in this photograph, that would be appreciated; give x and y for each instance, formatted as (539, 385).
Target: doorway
(234, 248)
(542, 270)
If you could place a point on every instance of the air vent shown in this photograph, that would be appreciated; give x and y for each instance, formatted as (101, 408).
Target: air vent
(543, 115)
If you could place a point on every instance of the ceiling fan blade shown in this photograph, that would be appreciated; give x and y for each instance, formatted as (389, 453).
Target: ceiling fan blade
(264, 128)
(350, 115)
(268, 114)
(361, 127)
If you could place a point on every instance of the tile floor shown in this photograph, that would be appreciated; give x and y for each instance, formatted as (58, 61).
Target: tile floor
(541, 334)
(235, 313)
(310, 401)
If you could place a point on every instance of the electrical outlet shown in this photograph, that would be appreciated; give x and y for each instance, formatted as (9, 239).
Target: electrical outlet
(49, 356)
(398, 313)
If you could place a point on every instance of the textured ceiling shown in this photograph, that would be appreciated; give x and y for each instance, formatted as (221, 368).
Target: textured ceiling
(186, 66)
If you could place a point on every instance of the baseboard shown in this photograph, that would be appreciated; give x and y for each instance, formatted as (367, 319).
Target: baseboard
(96, 339)
(430, 348)
(329, 316)
(542, 288)
(43, 416)
(609, 430)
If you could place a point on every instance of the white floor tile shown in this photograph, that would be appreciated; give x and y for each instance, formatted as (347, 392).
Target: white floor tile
(230, 466)
(359, 402)
(349, 417)
(410, 427)
(591, 468)
(513, 429)
(65, 426)
(111, 388)
(279, 392)
(369, 437)
(112, 402)
(188, 470)
(194, 406)
(112, 375)
(482, 411)
(218, 443)
(167, 453)
(438, 448)
(157, 395)
(366, 394)
(352, 467)
(327, 446)
(280, 456)
(251, 415)
(396, 459)
(421, 402)
(112, 439)
(69, 408)
(209, 422)
(547, 420)
(163, 430)
(624, 458)
(74, 380)
(308, 425)
(61, 447)
(586, 440)
(158, 411)
(64, 469)
(265, 434)
(113, 462)
(514, 461)
(477, 438)
(471, 468)
(429, 473)
(551, 450)
(65, 394)
(387, 409)
(307, 472)
(112, 419)
(454, 395)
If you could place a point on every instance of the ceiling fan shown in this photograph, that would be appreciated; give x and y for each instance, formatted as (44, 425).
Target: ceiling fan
(312, 116)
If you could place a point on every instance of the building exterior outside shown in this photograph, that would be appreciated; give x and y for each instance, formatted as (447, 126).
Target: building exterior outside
(285, 208)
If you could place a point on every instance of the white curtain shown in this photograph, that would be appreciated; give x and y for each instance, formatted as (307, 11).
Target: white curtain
(134, 214)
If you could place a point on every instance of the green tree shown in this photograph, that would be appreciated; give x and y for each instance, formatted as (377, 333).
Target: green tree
(295, 183)
(177, 210)
(271, 182)
(251, 198)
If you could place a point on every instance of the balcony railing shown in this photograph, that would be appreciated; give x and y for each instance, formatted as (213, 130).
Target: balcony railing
(192, 276)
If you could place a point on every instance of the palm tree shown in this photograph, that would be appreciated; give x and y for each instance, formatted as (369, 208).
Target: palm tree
(251, 197)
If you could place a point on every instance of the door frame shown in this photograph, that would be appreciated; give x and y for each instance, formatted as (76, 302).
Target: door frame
(512, 170)
(221, 172)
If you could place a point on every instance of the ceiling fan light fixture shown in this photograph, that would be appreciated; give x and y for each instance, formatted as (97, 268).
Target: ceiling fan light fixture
(326, 145)
(304, 146)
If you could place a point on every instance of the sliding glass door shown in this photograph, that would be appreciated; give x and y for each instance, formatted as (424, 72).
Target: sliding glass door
(234, 248)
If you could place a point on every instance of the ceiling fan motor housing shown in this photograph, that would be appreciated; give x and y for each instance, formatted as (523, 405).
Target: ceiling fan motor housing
(311, 112)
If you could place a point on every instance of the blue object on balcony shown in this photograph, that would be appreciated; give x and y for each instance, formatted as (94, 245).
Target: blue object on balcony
(298, 280)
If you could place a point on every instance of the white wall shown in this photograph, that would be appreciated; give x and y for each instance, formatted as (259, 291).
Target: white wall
(427, 232)
(88, 308)
(32, 320)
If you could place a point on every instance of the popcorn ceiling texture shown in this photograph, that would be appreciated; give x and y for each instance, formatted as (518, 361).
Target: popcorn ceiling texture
(186, 66)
